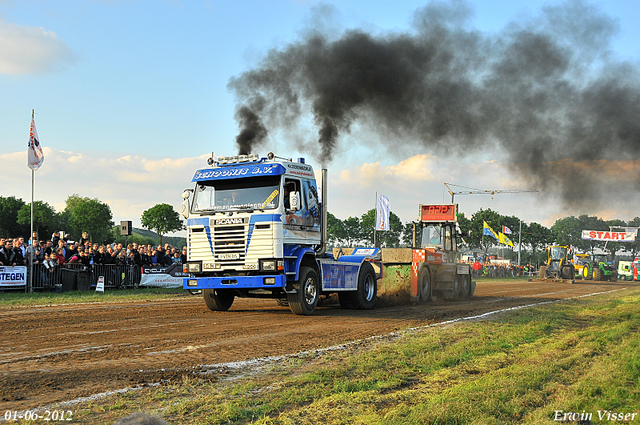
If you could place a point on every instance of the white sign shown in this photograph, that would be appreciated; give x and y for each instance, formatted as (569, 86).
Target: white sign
(601, 235)
(13, 276)
(100, 284)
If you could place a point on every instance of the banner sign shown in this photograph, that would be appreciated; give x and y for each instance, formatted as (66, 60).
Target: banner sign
(13, 276)
(163, 277)
(601, 235)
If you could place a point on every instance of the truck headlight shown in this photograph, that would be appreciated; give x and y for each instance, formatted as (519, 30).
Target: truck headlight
(269, 265)
(193, 268)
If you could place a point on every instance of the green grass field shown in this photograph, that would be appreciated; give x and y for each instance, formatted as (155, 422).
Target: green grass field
(573, 359)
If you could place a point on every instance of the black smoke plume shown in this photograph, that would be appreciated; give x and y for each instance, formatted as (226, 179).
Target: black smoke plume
(548, 96)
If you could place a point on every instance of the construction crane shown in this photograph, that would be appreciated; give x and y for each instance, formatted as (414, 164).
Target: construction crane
(472, 191)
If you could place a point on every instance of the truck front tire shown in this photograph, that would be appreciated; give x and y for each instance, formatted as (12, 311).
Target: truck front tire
(305, 299)
(218, 299)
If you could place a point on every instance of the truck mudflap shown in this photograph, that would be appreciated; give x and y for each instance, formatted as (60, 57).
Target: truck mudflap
(236, 282)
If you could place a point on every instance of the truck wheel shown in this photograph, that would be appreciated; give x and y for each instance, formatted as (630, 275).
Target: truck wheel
(305, 300)
(585, 273)
(366, 295)
(597, 274)
(424, 280)
(543, 272)
(465, 285)
(218, 299)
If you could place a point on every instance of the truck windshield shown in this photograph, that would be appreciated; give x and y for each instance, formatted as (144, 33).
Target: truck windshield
(432, 235)
(254, 193)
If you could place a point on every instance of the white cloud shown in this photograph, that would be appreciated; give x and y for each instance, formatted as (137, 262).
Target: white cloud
(129, 185)
(29, 50)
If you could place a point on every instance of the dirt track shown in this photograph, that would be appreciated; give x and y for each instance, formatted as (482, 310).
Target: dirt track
(58, 353)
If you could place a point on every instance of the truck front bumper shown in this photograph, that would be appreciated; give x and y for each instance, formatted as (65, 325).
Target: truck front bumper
(236, 282)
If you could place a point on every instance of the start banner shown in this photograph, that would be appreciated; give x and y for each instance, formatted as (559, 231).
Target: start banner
(601, 235)
(13, 276)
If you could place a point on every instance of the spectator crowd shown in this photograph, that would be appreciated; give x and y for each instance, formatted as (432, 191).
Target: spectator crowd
(59, 251)
(488, 269)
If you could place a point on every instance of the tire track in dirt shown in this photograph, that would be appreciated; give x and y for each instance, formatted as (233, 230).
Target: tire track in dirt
(56, 353)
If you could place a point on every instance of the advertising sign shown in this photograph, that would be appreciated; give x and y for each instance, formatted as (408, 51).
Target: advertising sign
(601, 235)
(162, 277)
(13, 276)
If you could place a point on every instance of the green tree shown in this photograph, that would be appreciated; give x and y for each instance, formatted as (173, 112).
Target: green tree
(493, 219)
(567, 231)
(352, 233)
(162, 219)
(536, 236)
(45, 218)
(590, 223)
(335, 230)
(88, 215)
(9, 226)
(388, 238)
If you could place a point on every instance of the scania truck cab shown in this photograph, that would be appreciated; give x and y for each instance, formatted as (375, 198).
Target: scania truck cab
(255, 228)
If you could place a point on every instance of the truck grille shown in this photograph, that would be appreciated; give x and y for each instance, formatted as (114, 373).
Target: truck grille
(229, 244)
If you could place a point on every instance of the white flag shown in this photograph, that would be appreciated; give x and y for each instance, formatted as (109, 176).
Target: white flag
(382, 212)
(35, 154)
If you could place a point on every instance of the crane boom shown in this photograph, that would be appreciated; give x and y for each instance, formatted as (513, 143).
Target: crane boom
(472, 191)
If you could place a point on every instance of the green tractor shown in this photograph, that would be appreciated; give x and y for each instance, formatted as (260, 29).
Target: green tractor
(599, 268)
(558, 264)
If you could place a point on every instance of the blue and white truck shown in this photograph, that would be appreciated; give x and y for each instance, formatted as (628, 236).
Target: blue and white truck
(256, 227)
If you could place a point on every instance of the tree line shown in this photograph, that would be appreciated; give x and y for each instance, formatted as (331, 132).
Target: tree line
(358, 231)
(81, 214)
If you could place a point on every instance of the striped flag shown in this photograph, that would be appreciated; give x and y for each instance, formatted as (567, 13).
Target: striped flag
(34, 152)
(487, 230)
(505, 240)
(506, 230)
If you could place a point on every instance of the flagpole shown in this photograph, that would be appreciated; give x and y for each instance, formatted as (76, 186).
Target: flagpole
(519, 242)
(375, 224)
(30, 287)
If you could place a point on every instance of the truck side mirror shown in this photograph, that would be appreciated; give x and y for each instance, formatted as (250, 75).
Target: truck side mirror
(184, 208)
(294, 201)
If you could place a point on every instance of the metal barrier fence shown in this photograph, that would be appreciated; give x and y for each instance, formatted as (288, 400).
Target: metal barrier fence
(114, 276)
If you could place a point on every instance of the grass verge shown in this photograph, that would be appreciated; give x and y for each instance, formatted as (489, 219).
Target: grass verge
(524, 366)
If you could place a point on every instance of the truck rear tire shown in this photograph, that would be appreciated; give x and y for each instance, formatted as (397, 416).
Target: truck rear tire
(305, 299)
(424, 281)
(218, 299)
(366, 295)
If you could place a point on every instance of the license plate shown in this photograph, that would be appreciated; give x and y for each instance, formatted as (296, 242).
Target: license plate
(233, 256)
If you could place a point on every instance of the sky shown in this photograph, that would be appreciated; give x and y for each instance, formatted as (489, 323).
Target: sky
(132, 96)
